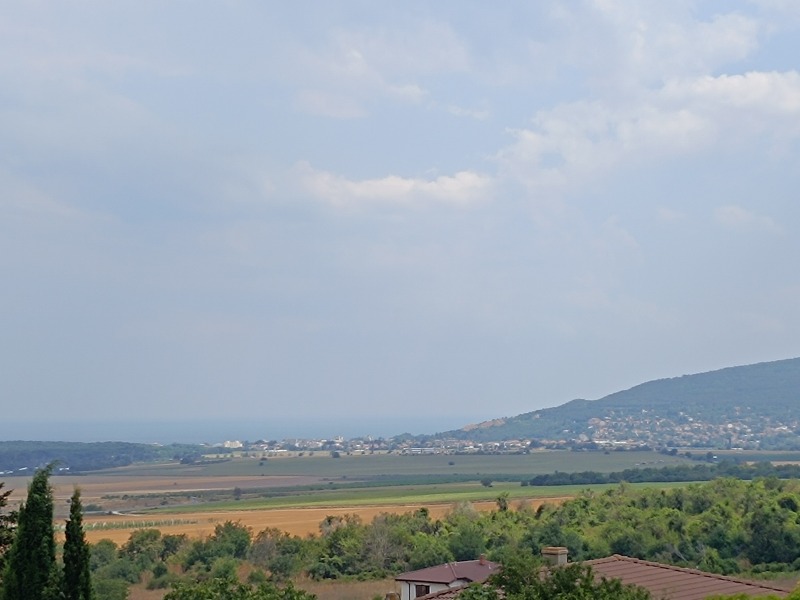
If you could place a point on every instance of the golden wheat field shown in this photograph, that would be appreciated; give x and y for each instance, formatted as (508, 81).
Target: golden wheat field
(296, 521)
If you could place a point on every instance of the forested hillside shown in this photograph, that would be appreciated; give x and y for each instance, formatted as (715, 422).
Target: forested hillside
(760, 402)
(76, 456)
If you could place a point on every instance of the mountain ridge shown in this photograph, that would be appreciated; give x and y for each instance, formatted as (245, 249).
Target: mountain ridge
(750, 401)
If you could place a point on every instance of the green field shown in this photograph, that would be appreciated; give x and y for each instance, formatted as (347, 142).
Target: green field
(370, 479)
(423, 494)
(387, 466)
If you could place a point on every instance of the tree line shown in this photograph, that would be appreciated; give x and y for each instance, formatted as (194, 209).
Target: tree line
(674, 473)
(88, 456)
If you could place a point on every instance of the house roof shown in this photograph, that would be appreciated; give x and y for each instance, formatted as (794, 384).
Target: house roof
(676, 583)
(446, 594)
(466, 570)
(664, 582)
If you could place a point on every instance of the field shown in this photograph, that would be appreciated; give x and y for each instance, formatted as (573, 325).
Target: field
(321, 465)
(296, 493)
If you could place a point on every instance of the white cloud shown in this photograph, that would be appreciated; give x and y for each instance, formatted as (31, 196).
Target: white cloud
(644, 43)
(573, 143)
(354, 69)
(763, 101)
(740, 219)
(461, 189)
(473, 113)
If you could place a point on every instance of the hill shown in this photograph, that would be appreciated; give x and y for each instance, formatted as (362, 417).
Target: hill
(754, 406)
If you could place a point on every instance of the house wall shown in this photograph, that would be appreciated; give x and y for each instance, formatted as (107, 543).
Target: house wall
(408, 588)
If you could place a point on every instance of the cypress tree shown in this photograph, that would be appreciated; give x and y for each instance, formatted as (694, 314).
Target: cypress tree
(31, 562)
(77, 577)
(7, 521)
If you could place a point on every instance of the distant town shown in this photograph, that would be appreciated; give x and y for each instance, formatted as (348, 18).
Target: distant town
(611, 433)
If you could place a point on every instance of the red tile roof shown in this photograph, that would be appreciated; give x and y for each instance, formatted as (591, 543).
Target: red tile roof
(676, 583)
(448, 594)
(664, 582)
(468, 570)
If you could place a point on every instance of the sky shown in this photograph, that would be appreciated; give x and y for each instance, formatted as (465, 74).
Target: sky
(387, 217)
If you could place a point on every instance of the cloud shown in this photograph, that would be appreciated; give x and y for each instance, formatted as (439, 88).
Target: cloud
(573, 143)
(740, 219)
(354, 69)
(464, 188)
(473, 113)
(768, 93)
(635, 44)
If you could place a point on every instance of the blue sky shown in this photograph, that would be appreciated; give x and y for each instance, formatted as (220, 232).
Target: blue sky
(401, 213)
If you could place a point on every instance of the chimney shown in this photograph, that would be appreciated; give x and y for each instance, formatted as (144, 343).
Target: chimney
(555, 555)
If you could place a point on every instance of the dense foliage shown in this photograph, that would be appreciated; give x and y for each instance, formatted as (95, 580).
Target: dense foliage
(8, 520)
(726, 526)
(77, 578)
(77, 456)
(31, 569)
(698, 472)
(228, 588)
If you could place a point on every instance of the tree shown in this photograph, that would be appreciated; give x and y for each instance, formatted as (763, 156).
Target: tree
(31, 572)
(231, 589)
(466, 542)
(77, 577)
(111, 589)
(502, 502)
(7, 522)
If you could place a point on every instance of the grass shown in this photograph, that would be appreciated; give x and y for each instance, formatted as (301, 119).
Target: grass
(370, 466)
(431, 494)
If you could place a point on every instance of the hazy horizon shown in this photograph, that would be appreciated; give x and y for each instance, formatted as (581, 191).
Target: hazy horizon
(210, 431)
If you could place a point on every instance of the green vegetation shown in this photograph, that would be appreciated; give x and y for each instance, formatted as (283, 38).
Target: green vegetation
(387, 468)
(725, 526)
(701, 472)
(7, 524)
(77, 578)
(92, 456)
(32, 572)
(393, 495)
(231, 589)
